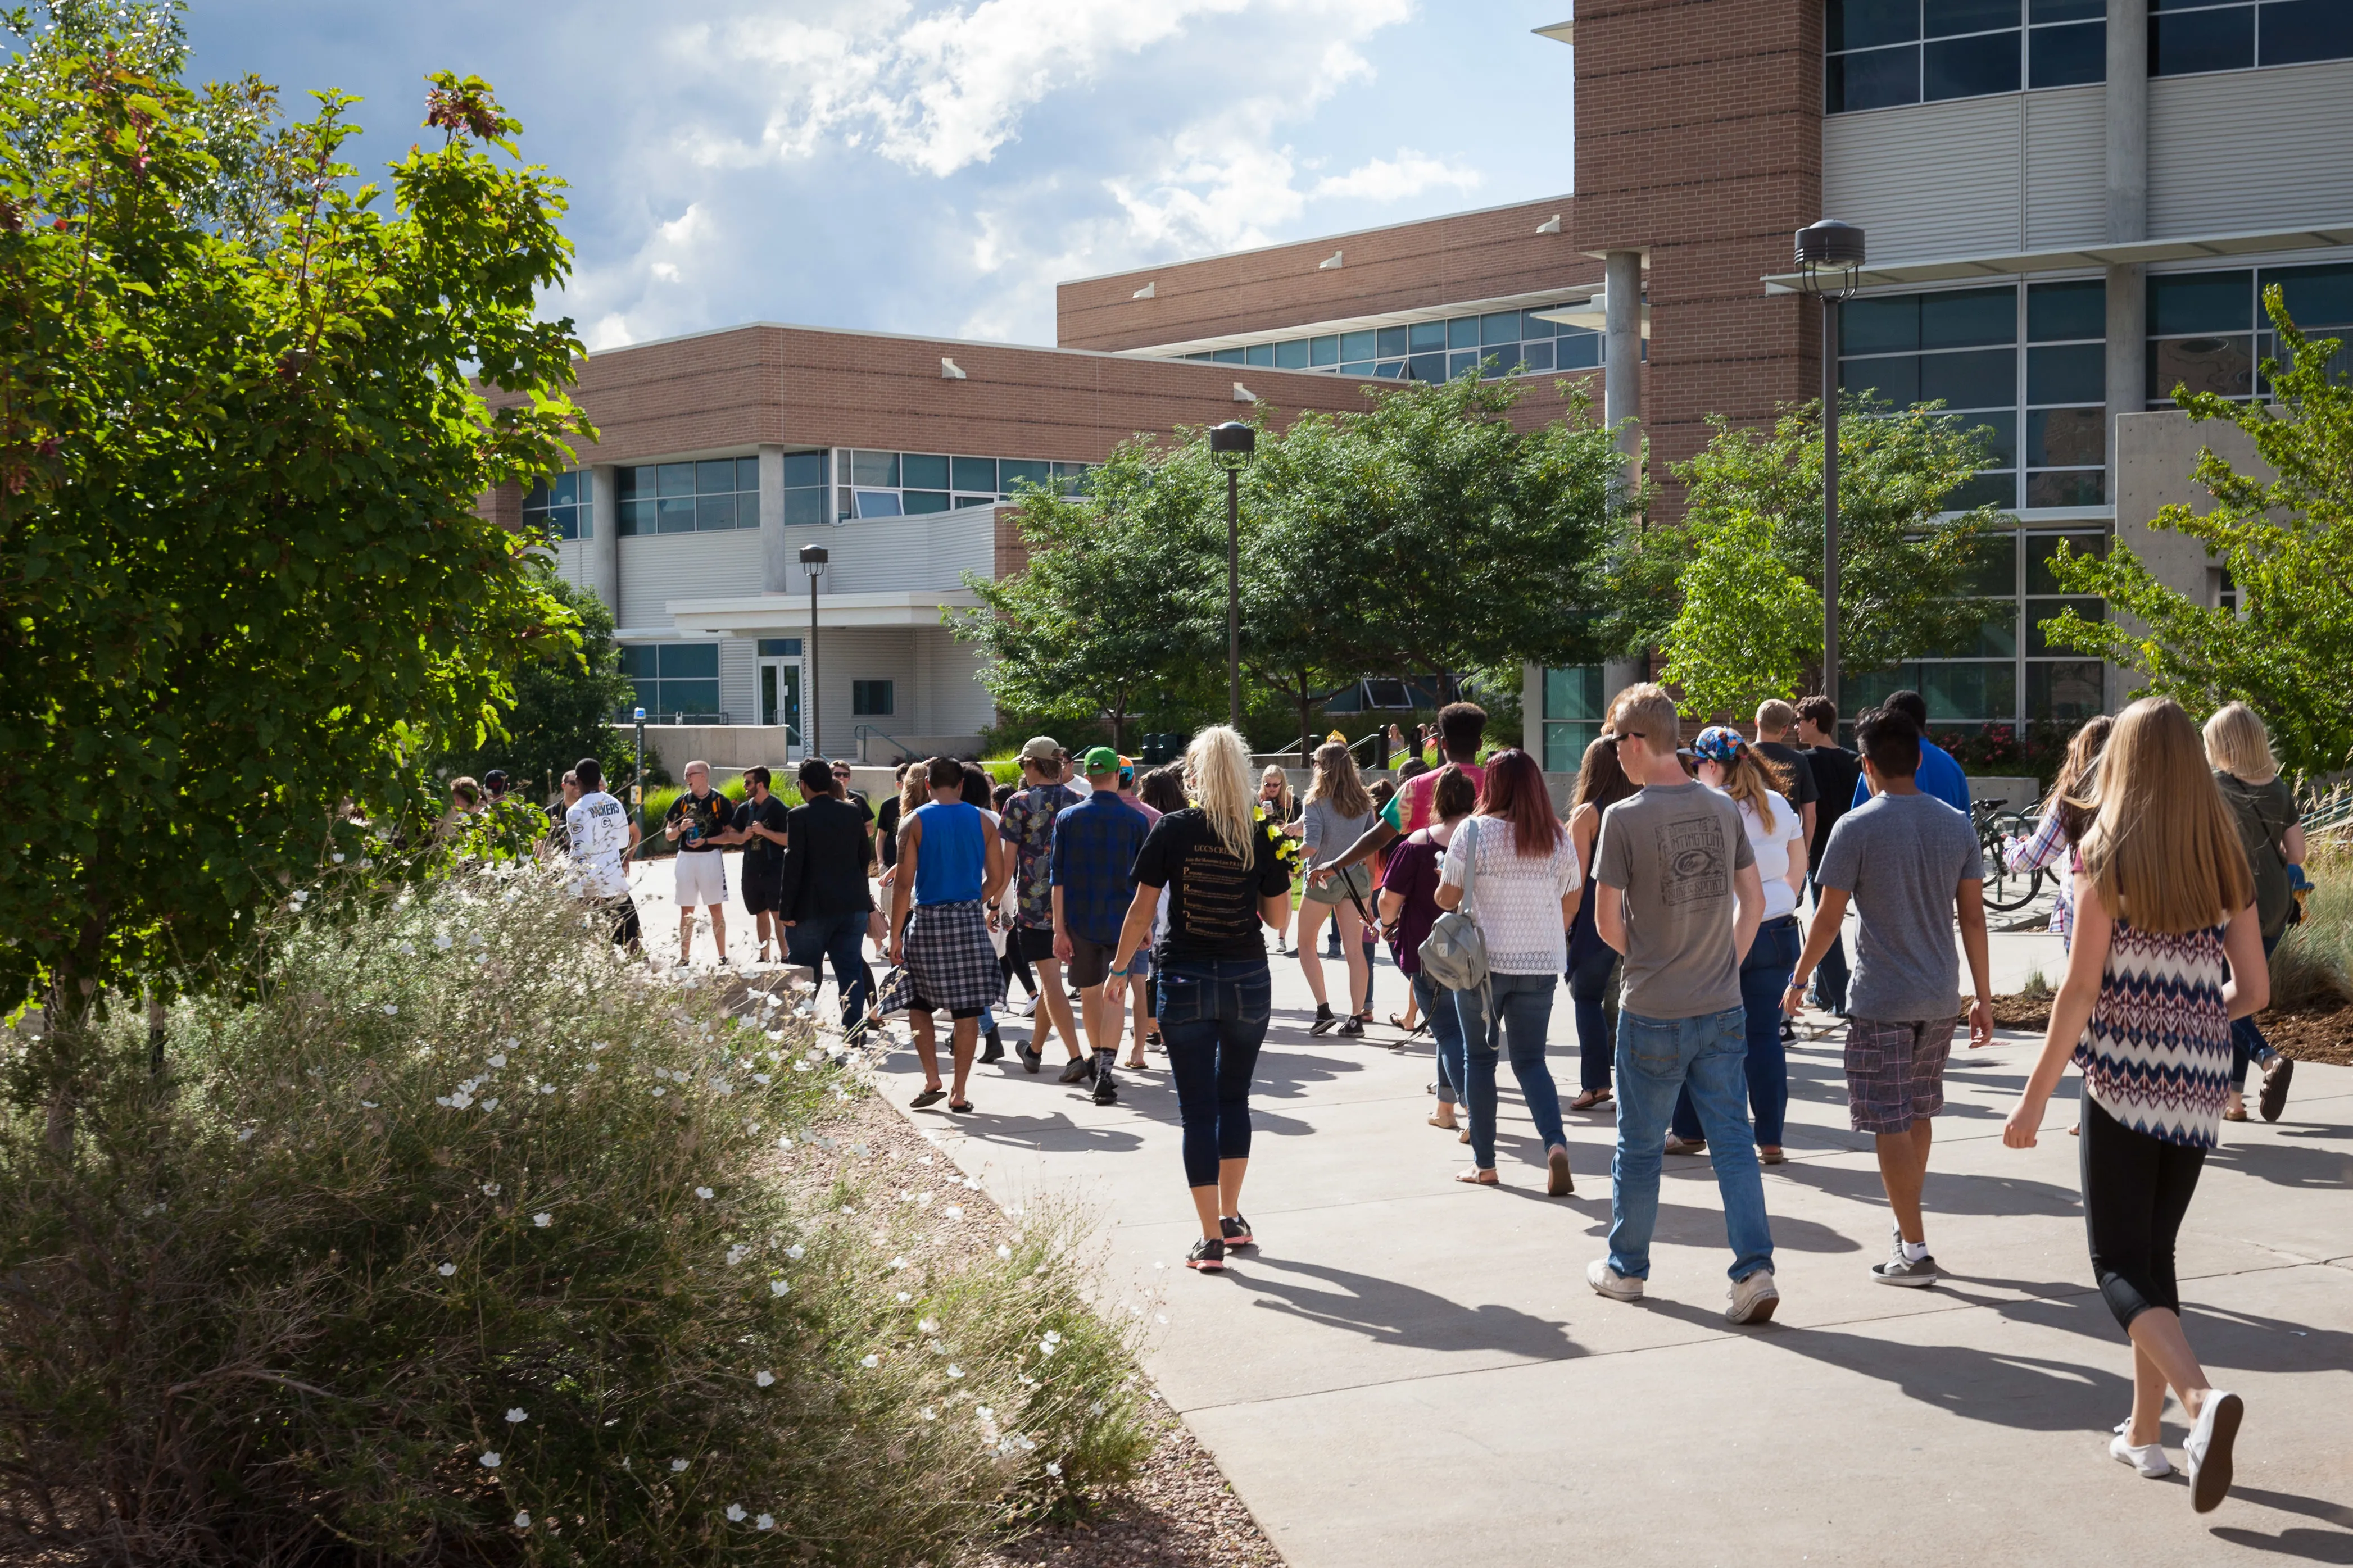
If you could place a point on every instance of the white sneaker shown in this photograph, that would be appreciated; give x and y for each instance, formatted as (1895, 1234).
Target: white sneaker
(2208, 1450)
(1023, 1008)
(1753, 1299)
(1608, 1282)
(2149, 1460)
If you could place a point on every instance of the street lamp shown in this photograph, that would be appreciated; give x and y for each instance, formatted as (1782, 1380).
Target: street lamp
(813, 560)
(1830, 267)
(1230, 445)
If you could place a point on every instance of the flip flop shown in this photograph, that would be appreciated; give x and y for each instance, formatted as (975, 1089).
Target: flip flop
(1478, 1178)
(960, 1107)
(1591, 1100)
(929, 1096)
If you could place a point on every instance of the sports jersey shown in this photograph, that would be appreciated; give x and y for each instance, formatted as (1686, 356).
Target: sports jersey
(599, 829)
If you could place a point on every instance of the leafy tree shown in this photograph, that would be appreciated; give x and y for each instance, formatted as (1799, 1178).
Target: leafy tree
(243, 588)
(2287, 544)
(1747, 626)
(1904, 578)
(564, 699)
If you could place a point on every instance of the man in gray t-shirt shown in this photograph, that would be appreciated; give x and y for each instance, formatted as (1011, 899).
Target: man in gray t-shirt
(1911, 863)
(1680, 897)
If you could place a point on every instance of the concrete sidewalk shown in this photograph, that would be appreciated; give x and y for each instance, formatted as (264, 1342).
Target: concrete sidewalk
(1407, 1371)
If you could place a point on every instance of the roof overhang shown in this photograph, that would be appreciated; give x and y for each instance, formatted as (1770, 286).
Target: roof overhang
(783, 614)
(1559, 32)
(1958, 269)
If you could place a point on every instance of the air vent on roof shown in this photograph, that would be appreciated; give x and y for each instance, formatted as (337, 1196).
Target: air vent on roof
(1550, 225)
(1329, 262)
(1143, 293)
(1243, 394)
(950, 369)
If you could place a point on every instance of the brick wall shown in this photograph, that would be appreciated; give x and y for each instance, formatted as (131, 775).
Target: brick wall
(1699, 139)
(1466, 256)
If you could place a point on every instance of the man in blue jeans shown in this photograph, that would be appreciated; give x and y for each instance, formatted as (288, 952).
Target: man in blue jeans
(822, 895)
(1680, 897)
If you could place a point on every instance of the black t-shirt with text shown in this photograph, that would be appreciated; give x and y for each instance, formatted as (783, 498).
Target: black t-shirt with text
(1213, 899)
(705, 816)
(762, 857)
(1802, 791)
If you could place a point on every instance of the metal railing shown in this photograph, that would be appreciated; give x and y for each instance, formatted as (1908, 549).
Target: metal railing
(861, 733)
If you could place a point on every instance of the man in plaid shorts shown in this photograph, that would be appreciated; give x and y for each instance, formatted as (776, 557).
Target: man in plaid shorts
(1911, 863)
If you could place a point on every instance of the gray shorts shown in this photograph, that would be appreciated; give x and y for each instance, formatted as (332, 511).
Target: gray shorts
(1896, 1072)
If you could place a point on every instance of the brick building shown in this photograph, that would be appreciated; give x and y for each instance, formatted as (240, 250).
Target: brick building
(2072, 207)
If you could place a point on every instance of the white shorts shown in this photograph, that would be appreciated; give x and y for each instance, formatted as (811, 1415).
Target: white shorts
(702, 878)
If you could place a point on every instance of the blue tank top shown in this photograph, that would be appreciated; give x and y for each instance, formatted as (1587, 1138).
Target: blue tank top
(952, 856)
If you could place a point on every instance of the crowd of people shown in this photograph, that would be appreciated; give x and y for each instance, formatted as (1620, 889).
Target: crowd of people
(1670, 898)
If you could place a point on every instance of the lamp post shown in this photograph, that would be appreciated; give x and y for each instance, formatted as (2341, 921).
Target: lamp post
(1230, 445)
(813, 560)
(1830, 267)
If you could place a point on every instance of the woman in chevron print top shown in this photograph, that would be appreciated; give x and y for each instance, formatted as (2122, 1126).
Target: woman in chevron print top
(2164, 910)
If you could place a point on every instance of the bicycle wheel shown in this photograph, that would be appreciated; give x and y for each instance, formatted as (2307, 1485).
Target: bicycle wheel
(2005, 889)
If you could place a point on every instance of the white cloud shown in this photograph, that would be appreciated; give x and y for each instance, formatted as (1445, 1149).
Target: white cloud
(1382, 180)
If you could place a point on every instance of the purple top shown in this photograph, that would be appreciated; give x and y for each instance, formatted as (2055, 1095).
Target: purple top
(1412, 874)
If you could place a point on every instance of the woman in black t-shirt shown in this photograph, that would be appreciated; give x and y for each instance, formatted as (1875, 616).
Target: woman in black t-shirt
(1219, 860)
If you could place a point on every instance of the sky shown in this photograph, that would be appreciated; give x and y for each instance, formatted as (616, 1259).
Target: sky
(936, 168)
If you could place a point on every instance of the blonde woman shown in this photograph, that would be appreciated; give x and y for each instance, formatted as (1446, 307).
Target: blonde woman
(1274, 798)
(1224, 877)
(2165, 908)
(1729, 762)
(1338, 810)
(2240, 751)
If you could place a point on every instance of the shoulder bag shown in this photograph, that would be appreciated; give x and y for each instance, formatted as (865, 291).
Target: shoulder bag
(1454, 955)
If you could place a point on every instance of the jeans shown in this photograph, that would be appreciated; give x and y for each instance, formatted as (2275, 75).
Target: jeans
(1764, 978)
(1588, 992)
(815, 938)
(2247, 1042)
(1213, 1015)
(1830, 973)
(1517, 1008)
(1656, 1056)
(1437, 1004)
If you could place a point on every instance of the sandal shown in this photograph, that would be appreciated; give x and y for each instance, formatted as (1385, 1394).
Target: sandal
(1475, 1177)
(1771, 1154)
(1396, 1021)
(931, 1096)
(1686, 1145)
(960, 1107)
(1590, 1100)
(1449, 1125)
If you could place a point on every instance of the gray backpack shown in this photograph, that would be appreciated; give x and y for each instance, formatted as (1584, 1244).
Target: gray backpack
(1454, 956)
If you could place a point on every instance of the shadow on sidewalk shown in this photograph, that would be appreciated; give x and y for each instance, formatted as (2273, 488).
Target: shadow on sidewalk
(2312, 1545)
(1389, 1313)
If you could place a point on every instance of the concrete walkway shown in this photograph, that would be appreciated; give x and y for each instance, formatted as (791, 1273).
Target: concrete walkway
(1407, 1371)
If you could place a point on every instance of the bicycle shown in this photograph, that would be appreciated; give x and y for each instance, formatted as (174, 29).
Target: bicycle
(1999, 829)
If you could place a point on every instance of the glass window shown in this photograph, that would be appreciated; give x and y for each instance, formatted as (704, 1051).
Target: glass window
(806, 508)
(2214, 40)
(1230, 356)
(1996, 432)
(1393, 343)
(1896, 379)
(2077, 372)
(1259, 353)
(875, 468)
(2067, 56)
(2055, 311)
(1533, 325)
(2042, 547)
(872, 697)
(1427, 367)
(675, 515)
(747, 476)
(1968, 68)
(976, 473)
(674, 480)
(1392, 369)
(1945, 18)
(1503, 327)
(718, 478)
(1426, 336)
(804, 468)
(714, 513)
(1983, 378)
(1291, 355)
(1462, 332)
(560, 507)
(1968, 317)
(923, 470)
(2066, 487)
(1871, 78)
(1360, 367)
(2298, 30)
(2222, 364)
(674, 680)
(1983, 489)
(2314, 296)
(1573, 714)
(1887, 324)
(1993, 569)
(2066, 10)
(1969, 693)
(1359, 345)
(1012, 473)
(780, 647)
(1537, 355)
(925, 500)
(1324, 351)
(2041, 610)
(1866, 24)
(2066, 437)
(2200, 302)
(1465, 362)
(1577, 349)
(2065, 692)
(879, 503)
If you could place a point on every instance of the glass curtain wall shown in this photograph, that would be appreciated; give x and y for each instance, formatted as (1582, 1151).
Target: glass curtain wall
(562, 507)
(906, 484)
(1495, 343)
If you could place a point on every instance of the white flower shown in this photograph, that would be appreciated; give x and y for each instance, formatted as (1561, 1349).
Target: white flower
(409, 948)
(954, 1370)
(662, 1073)
(244, 1133)
(931, 1414)
(984, 1412)
(338, 856)
(369, 1104)
(448, 1269)
(1003, 1251)
(515, 1416)
(922, 1159)
(762, 1079)
(542, 1220)
(702, 1193)
(766, 1521)
(796, 1252)
(523, 1519)
(737, 1253)
(677, 1464)
(1094, 1406)
(490, 1189)
(904, 1297)
(442, 941)
(659, 1091)
(929, 1326)
(735, 1513)
(390, 1008)
(869, 1361)
(489, 1105)
(897, 1264)
(954, 1212)
(1053, 1336)
(1052, 1468)
(550, 1088)
(489, 1461)
(764, 1378)
(1047, 1347)
(777, 1286)
(498, 1058)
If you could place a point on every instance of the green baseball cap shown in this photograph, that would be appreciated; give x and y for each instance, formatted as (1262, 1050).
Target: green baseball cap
(1102, 760)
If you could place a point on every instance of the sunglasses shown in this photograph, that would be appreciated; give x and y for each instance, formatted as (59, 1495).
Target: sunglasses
(1624, 735)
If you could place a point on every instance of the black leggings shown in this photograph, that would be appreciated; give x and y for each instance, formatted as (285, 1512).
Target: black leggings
(2136, 1189)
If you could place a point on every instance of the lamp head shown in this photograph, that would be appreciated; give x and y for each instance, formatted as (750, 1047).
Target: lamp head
(1830, 258)
(1232, 443)
(813, 559)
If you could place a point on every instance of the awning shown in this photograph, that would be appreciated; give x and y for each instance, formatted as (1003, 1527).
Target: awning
(2196, 249)
(781, 614)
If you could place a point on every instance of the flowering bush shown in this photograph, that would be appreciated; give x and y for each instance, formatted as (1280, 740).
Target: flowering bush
(449, 1236)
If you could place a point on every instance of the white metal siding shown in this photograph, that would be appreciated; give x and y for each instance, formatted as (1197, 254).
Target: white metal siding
(897, 554)
(2066, 167)
(656, 568)
(738, 684)
(2241, 150)
(960, 704)
(1929, 179)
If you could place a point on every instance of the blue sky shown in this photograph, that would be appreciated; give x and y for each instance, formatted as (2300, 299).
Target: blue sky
(936, 168)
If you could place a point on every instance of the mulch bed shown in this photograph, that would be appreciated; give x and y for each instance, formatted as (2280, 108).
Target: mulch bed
(2306, 1037)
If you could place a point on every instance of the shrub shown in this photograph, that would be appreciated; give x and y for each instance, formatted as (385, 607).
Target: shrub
(449, 1236)
(657, 808)
(2312, 968)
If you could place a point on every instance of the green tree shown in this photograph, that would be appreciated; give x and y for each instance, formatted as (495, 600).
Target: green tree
(1747, 626)
(2287, 544)
(243, 587)
(1905, 578)
(565, 700)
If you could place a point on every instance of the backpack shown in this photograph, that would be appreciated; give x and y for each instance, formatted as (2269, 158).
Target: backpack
(1454, 956)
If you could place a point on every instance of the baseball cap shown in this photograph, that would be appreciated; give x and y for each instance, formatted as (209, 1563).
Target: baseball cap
(1102, 760)
(1717, 743)
(495, 781)
(1041, 749)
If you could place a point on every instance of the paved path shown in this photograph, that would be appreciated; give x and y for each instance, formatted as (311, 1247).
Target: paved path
(1412, 1372)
